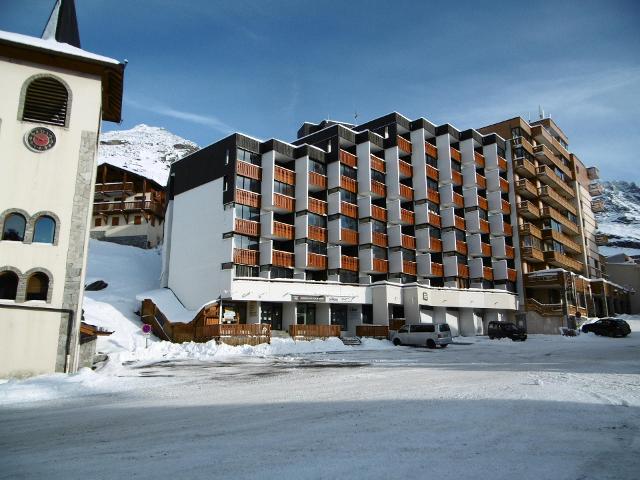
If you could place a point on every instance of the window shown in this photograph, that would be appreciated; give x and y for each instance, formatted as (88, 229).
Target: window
(246, 212)
(378, 226)
(283, 189)
(317, 247)
(8, 285)
(14, 226)
(37, 286)
(317, 220)
(434, 232)
(247, 271)
(500, 151)
(46, 101)
(377, 176)
(247, 243)
(115, 221)
(456, 166)
(280, 272)
(379, 252)
(44, 230)
(97, 222)
(432, 184)
(347, 171)
(433, 207)
(249, 157)
(409, 255)
(349, 197)
(249, 184)
(317, 167)
(348, 222)
(423, 328)
(347, 276)
(432, 161)
(225, 184)
(137, 220)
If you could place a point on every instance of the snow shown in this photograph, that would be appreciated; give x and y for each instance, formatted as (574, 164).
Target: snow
(621, 218)
(53, 45)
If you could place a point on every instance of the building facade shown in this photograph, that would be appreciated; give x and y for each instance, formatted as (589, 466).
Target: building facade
(128, 208)
(347, 225)
(54, 96)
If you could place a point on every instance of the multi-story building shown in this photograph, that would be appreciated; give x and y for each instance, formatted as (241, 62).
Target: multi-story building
(561, 265)
(347, 225)
(54, 95)
(128, 208)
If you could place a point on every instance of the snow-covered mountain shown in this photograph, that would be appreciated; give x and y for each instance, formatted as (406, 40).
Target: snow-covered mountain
(146, 150)
(621, 217)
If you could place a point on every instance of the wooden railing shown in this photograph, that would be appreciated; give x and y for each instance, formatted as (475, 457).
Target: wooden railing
(506, 207)
(114, 187)
(502, 164)
(435, 244)
(456, 177)
(561, 260)
(530, 229)
(509, 251)
(284, 202)
(246, 197)
(379, 239)
(512, 275)
(404, 144)
(455, 155)
(524, 167)
(432, 173)
(430, 150)
(308, 332)
(458, 222)
(405, 169)
(461, 247)
(436, 269)
(245, 257)
(248, 170)
(408, 242)
(485, 249)
(104, 207)
(528, 209)
(504, 185)
(525, 188)
(532, 253)
(406, 192)
(317, 233)
(408, 267)
(349, 209)
(315, 260)
(458, 200)
(479, 158)
(407, 216)
(545, 309)
(433, 196)
(349, 263)
(378, 164)
(375, 331)
(349, 236)
(380, 265)
(348, 158)
(463, 271)
(317, 179)
(282, 259)
(434, 219)
(348, 184)
(283, 230)
(550, 196)
(548, 176)
(378, 188)
(482, 203)
(558, 217)
(318, 207)
(562, 238)
(484, 226)
(247, 227)
(507, 229)
(481, 181)
(487, 273)
(379, 213)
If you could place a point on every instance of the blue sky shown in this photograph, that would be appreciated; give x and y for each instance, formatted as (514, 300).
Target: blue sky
(203, 69)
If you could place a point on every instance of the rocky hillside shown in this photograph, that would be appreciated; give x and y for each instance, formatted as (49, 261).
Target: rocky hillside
(146, 150)
(621, 218)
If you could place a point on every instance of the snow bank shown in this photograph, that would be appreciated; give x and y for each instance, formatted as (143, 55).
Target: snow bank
(168, 304)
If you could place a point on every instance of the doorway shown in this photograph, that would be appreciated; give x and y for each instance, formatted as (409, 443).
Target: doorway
(306, 314)
(271, 313)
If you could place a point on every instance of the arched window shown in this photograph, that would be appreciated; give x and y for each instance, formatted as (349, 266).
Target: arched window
(37, 286)
(44, 230)
(46, 101)
(14, 226)
(8, 285)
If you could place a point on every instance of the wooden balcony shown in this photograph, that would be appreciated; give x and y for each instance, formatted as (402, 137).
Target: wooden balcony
(568, 243)
(532, 254)
(526, 189)
(463, 271)
(284, 175)
(408, 242)
(549, 196)
(247, 227)
(479, 159)
(129, 207)
(546, 156)
(282, 259)
(502, 164)
(379, 239)
(482, 203)
(596, 189)
(507, 228)
(598, 206)
(530, 229)
(481, 182)
(484, 226)
(433, 173)
(245, 257)
(284, 202)
(506, 207)
(524, 167)
(549, 177)
(456, 177)
(406, 192)
(487, 273)
(348, 159)
(437, 270)
(509, 251)
(409, 268)
(248, 170)
(528, 210)
(349, 184)
(560, 260)
(406, 171)
(349, 263)
(318, 180)
(349, 209)
(433, 196)
(504, 185)
(318, 234)
(593, 173)
(455, 155)
(407, 216)
(512, 274)
(550, 212)
(430, 150)
(458, 222)
(246, 197)
(458, 200)
(380, 265)
(316, 261)
(404, 145)
(379, 213)
(602, 239)
(461, 247)
(283, 230)
(485, 249)
(435, 245)
(349, 236)
(115, 187)
(434, 219)
(378, 188)
(316, 206)
(378, 164)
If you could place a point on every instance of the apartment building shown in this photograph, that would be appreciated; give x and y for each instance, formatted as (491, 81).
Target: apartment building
(128, 208)
(554, 191)
(54, 95)
(348, 224)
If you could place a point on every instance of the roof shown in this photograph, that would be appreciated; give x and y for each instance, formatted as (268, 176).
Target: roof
(63, 24)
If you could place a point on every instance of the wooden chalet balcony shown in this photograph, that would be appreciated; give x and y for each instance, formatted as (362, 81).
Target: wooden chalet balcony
(506, 207)
(430, 150)
(528, 210)
(317, 233)
(378, 188)
(404, 144)
(568, 243)
(316, 261)
(409, 268)
(129, 207)
(246, 197)
(434, 219)
(479, 159)
(247, 169)
(504, 185)
(406, 192)
(284, 202)
(484, 226)
(380, 265)
(461, 247)
(349, 236)
(378, 164)
(549, 177)
(463, 271)
(433, 173)
(524, 167)
(481, 182)
(433, 196)
(348, 158)
(408, 242)
(349, 184)
(482, 203)
(379, 239)
(546, 156)
(455, 155)
(318, 180)
(280, 258)
(406, 171)
(349, 263)
(502, 164)
(245, 257)
(487, 273)
(379, 213)
(550, 212)
(435, 245)
(485, 249)
(549, 196)
(458, 200)
(509, 251)
(530, 229)
(458, 222)
(512, 275)
(561, 260)
(407, 216)
(349, 209)
(283, 230)
(526, 189)
(316, 206)
(456, 177)
(532, 254)
(247, 227)
(115, 187)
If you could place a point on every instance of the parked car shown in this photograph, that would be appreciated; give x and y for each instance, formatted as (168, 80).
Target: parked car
(611, 327)
(424, 334)
(506, 330)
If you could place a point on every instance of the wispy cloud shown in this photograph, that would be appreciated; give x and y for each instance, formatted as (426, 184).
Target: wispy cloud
(166, 111)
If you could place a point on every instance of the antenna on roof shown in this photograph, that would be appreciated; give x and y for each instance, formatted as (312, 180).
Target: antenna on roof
(355, 116)
(540, 112)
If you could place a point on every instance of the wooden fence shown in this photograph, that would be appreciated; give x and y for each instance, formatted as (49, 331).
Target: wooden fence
(396, 323)
(375, 331)
(311, 332)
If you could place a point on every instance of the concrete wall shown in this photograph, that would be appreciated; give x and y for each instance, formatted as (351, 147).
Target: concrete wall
(627, 274)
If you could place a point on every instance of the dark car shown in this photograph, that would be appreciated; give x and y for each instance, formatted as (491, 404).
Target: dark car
(506, 330)
(611, 327)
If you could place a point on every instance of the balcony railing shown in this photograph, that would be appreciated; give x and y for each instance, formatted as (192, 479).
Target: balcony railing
(455, 154)
(247, 227)
(479, 159)
(461, 247)
(526, 189)
(349, 263)
(349, 209)
(458, 200)
(284, 202)
(502, 164)
(597, 206)
(378, 164)
(348, 158)
(596, 189)
(530, 229)
(112, 187)
(349, 184)
(405, 169)
(482, 203)
(601, 239)
(485, 249)
(406, 192)
(593, 173)
(284, 175)
(318, 207)
(283, 230)
(433, 173)
(548, 176)
(245, 257)
(458, 222)
(433, 196)
(528, 210)
(315, 260)
(463, 271)
(409, 268)
(430, 150)
(317, 233)
(246, 197)
(378, 188)
(512, 275)
(549, 195)
(280, 258)
(379, 213)
(506, 207)
(546, 156)
(509, 251)
(380, 265)
(532, 254)
(318, 180)
(248, 170)
(561, 219)
(563, 261)
(150, 206)
(481, 182)
(435, 245)
(487, 273)
(404, 144)
(507, 229)
(524, 167)
(379, 239)
(436, 269)
(569, 244)
(349, 236)
(456, 177)
(434, 219)
(504, 185)
(484, 226)
(407, 216)
(408, 242)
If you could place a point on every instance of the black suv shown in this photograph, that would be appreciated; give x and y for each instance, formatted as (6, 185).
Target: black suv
(611, 327)
(506, 330)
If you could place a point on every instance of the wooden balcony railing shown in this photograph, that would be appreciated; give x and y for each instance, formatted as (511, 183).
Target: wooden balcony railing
(461, 247)
(379, 213)
(282, 259)
(487, 273)
(482, 203)
(430, 150)
(349, 209)
(114, 187)
(434, 219)
(532, 254)
(530, 229)
(458, 200)
(135, 206)
(380, 265)
(317, 233)
(407, 216)
(318, 207)
(509, 251)
(435, 245)
(409, 268)
(528, 210)
(436, 269)
(248, 170)
(283, 230)
(484, 226)
(245, 257)
(563, 261)
(284, 202)
(404, 144)
(246, 197)
(524, 167)
(405, 169)
(507, 228)
(561, 219)
(512, 275)
(349, 263)
(433, 173)
(408, 242)
(485, 249)
(526, 189)
(549, 177)
(378, 164)
(546, 156)
(309, 332)
(506, 207)
(456, 177)
(463, 271)
(502, 164)
(247, 227)
(379, 239)
(433, 196)
(479, 158)
(349, 236)
(458, 222)
(569, 244)
(455, 155)
(317, 179)
(406, 192)
(378, 188)
(504, 185)
(348, 158)
(481, 182)
(315, 260)
(349, 184)
(549, 195)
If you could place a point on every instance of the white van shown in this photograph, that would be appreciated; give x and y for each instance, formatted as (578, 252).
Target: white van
(426, 334)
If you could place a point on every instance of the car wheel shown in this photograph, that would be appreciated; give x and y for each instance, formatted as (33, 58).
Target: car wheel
(444, 345)
(431, 344)
(397, 342)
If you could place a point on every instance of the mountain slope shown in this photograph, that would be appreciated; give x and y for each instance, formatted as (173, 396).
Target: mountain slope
(146, 150)
(621, 218)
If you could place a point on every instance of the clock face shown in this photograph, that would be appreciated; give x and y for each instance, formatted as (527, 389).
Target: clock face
(40, 139)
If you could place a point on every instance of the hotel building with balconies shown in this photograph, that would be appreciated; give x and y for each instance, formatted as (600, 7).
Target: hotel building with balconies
(348, 224)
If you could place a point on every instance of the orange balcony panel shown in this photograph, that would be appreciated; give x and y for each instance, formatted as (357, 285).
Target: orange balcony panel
(317, 179)
(349, 236)
(378, 188)
(379, 213)
(510, 252)
(408, 242)
(506, 207)
(349, 263)
(456, 177)
(406, 192)
(482, 203)
(405, 169)
(348, 158)
(436, 269)
(408, 267)
(458, 222)
(435, 245)
(455, 155)
(318, 207)
(433, 196)
(315, 260)
(282, 259)
(379, 239)
(317, 233)
(512, 275)
(349, 184)
(463, 271)
(479, 158)
(245, 257)
(407, 216)
(461, 247)
(283, 230)
(458, 200)
(484, 226)
(284, 175)
(378, 164)
(380, 265)
(486, 249)
(247, 227)
(246, 197)
(432, 173)
(508, 229)
(404, 144)
(504, 185)
(284, 202)
(248, 170)
(349, 209)
(502, 164)
(431, 150)
(481, 181)
(434, 219)
(487, 273)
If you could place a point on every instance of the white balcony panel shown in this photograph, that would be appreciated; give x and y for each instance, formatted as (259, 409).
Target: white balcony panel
(302, 183)
(395, 235)
(450, 266)
(266, 251)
